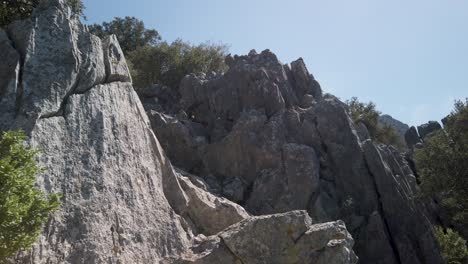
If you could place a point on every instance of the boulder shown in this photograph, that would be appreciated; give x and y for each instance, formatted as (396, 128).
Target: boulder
(409, 228)
(304, 82)
(412, 137)
(281, 238)
(116, 67)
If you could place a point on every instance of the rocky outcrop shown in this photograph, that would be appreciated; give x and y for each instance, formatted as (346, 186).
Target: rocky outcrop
(280, 238)
(399, 126)
(263, 135)
(122, 200)
(412, 137)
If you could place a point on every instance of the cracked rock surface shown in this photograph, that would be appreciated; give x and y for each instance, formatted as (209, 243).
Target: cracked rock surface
(279, 238)
(265, 136)
(122, 200)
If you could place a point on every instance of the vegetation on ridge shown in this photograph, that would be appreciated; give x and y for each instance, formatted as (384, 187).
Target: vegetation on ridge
(11, 10)
(443, 166)
(369, 116)
(153, 61)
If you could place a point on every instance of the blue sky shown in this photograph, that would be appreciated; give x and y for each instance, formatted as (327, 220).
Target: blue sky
(409, 57)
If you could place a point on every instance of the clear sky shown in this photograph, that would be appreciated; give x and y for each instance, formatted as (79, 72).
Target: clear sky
(409, 57)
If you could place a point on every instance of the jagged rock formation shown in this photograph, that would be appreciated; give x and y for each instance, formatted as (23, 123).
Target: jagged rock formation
(413, 136)
(264, 136)
(123, 202)
(399, 126)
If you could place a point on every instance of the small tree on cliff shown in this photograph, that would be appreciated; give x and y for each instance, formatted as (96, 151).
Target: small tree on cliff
(11, 10)
(152, 60)
(23, 207)
(369, 116)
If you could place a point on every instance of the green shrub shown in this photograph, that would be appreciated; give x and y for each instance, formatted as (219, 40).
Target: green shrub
(152, 61)
(443, 166)
(23, 207)
(369, 116)
(168, 63)
(452, 245)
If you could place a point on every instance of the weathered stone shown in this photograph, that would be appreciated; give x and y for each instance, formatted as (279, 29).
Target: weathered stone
(304, 82)
(210, 214)
(44, 86)
(281, 238)
(362, 131)
(412, 137)
(304, 154)
(104, 159)
(291, 186)
(178, 139)
(428, 128)
(261, 133)
(409, 229)
(233, 189)
(116, 66)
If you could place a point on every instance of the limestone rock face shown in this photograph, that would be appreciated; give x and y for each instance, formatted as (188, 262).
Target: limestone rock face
(267, 129)
(122, 200)
(280, 238)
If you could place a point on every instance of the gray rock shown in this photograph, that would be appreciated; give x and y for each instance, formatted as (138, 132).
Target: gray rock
(210, 214)
(179, 141)
(412, 137)
(281, 238)
(104, 159)
(123, 201)
(45, 87)
(425, 129)
(305, 153)
(362, 131)
(304, 82)
(289, 187)
(399, 126)
(116, 66)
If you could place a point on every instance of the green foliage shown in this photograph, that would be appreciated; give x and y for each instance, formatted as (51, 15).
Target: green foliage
(23, 208)
(369, 116)
(130, 32)
(452, 245)
(11, 10)
(443, 166)
(154, 61)
(168, 63)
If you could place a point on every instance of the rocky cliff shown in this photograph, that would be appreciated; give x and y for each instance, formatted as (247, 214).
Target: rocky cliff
(399, 126)
(123, 201)
(265, 136)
